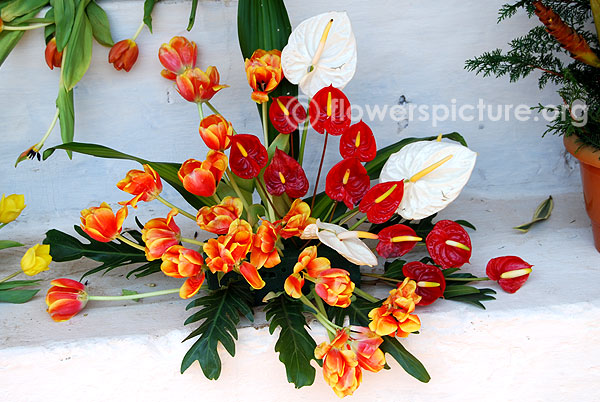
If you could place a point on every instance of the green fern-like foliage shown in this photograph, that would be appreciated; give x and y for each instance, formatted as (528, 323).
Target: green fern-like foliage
(539, 51)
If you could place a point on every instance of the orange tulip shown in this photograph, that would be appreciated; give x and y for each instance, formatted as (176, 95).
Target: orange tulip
(293, 285)
(177, 56)
(53, 57)
(264, 252)
(250, 273)
(335, 287)
(123, 54)
(197, 86)
(191, 286)
(101, 224)
(216, 132)
(159, 234)
(366, 345)
(340, 365)
(65, 298)
(202, 178)
(264, 73)
(217, 218)
(308, 260)
(144, 185)
(394, 317)
(181, 262)
(296, 220)
(227, 251)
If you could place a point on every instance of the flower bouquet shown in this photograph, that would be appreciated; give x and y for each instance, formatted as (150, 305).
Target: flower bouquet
(268, 240)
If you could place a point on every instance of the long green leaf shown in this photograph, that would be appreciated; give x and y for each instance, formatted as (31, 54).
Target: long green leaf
(49, 30)
(8, 244)
(19, 284)
(64, 17)
(542, 212)
(100, 24)
(148, 7)
(78, 53)
(17, 296)
(9, 39)
(295, 345)
(192, 18)
(18, 8)
(66, 115)
(595, 4)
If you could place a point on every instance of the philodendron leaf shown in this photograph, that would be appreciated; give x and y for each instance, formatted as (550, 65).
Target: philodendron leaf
(543, 212)
(8, 244)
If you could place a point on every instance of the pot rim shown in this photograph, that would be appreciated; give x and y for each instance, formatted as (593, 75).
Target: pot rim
(583, 153)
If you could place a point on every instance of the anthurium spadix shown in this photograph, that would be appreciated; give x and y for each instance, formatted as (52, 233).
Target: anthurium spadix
(321, 51)
(434, 174)
(345, 242)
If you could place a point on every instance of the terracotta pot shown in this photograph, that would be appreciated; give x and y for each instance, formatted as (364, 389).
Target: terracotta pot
(589, 161)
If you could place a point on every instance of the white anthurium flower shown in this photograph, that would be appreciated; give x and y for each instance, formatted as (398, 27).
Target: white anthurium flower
(321, 51)
(345, 242)
(434, 174)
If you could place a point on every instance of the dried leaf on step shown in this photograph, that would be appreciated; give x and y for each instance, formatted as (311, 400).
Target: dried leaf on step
(543, 212)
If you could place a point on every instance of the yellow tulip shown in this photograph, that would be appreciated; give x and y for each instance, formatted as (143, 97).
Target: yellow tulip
(36, 259)
(11, 207)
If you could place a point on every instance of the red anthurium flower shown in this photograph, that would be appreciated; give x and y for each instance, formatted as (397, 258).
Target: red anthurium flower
(286, 113)
(123, 54)
(285, 174)
(216, 132)
(396, 240)
(358, 141)
(382, 200)
(146, 185)
(65, 298)
(248, 156)
(177, 56)
(431, 283)
(329, 111)
(449, 244)
(511, 272)
(202, 178)
(53, 57)
(347, 181)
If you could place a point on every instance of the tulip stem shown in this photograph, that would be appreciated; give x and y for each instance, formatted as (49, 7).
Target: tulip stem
(25, 28)
(192, 241)
(265, 122)
(357, 224)
(9, 277)
(303, 142)
(312, 204)
(237, 190)
(216, 198)
(319, 302)
(135, 296)
(40, 144)
(270, 201)
(331, 211)
(365, 295)
(130, 243)
(181, 211)
(200, 111)
(2, 225)
(329, 326)
(139, 30)
(215, 111)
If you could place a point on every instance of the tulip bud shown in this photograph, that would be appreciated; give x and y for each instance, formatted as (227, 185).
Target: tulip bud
(36, 259)
(53, 57)
(11, 207)
(123, 54)
(65, 298)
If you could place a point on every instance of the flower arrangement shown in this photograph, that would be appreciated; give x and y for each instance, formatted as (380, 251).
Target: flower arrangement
(269, 241)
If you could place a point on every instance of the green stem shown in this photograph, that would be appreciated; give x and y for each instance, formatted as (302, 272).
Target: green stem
(319, 302)
(272, 210)
(137, 33)
(357, 224)
(136, 296)
(237, 190)
(2, 225)
(303, 141)
(25, 28)
(191, 241)
(312, 204)
(9, 277)
(129, 242)
(346, 216)
(181, 211)
(200, 111)
(216, 198)
(215, 111)
(329, 326)
(331, 211)
(365, 295)
(40, 144)
(265, 122)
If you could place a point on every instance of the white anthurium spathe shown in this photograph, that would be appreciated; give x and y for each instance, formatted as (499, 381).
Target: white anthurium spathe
(321, 51)
(435, 172)
(345, 242)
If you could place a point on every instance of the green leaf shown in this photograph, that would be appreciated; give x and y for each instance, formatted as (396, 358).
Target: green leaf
(466, 224)
(18, 8)
(166, 170)
(295, 345)
(393, 269)
(64, 247)
(17, 296)
(78, 53)
(66, 115)
(49, 30)
(8, 244)
(595, 4)
(459, 290)
(220, 312)
(149, 268)
(100, 24)
(64, 16)
(19, 284)
(148, 7)
(9, 39)
(192, 18)
(543, 212)
(475, 299)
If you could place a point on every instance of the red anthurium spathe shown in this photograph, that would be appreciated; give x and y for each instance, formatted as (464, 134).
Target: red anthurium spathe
(347, 181)
(382, 200)
(197, 86)
(202, 178)
(431, 283)
(286, 113)
(396, 240)
(177, 56)
(247, 156)
(146, 185)
(65, 298)
(216, 132)
(53, 57)
(285, 175)
(449, 244)
(329, 110)
(123, 54)
(511, 272)
(358, 141)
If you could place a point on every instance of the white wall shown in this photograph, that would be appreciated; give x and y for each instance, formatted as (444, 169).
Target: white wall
(406, 48)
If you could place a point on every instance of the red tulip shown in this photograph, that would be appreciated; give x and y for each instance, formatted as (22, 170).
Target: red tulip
(431, 283)
(65, 298)
(449, 244)
(396, 240)
(285, 174)
(511, 272)
(248, 156)
(382, 200)
(347, 181)
(358, 141)
(53, 57)
(177, 56)
(329, 111)
(286, 113)
(123, 54)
